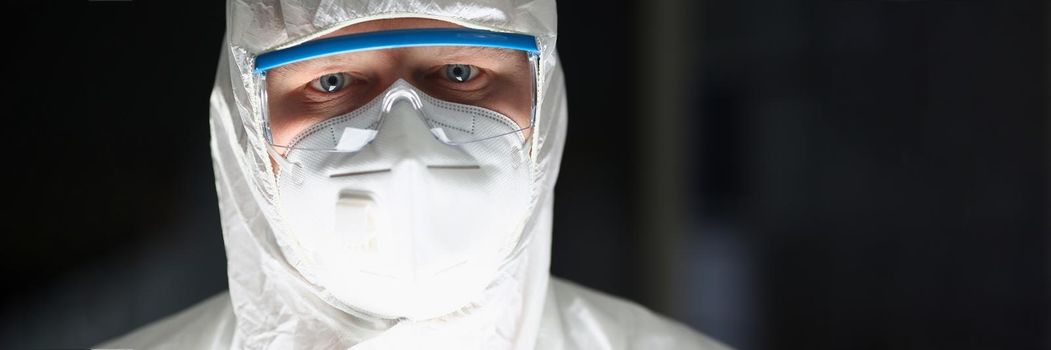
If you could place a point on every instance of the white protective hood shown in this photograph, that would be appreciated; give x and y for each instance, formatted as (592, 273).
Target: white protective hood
(274, 305)
(271, 305)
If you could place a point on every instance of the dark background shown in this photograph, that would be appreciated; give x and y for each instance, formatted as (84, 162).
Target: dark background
(778, 174)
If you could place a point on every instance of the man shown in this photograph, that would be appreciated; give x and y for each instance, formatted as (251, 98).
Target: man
(385, 173)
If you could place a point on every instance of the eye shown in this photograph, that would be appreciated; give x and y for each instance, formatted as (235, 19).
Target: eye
(331, 82)
(460, 72)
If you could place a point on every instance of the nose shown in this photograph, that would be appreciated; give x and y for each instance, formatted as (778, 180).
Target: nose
(404, 125)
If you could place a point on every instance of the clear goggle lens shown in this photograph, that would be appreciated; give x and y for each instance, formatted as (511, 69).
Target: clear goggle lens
(349, 89)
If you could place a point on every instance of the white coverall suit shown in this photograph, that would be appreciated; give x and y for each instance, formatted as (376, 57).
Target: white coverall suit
(270, 305)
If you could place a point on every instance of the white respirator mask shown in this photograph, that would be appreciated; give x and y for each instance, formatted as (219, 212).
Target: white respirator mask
(399, 222)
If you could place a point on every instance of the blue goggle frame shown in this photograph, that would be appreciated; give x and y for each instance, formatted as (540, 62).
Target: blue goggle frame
(395, 39)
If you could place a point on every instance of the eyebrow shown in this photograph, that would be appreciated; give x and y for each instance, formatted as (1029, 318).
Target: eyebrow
(478, 50)
(317, 63)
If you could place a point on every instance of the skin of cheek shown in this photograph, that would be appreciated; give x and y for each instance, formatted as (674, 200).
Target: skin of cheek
(277, 96)
(515, 102)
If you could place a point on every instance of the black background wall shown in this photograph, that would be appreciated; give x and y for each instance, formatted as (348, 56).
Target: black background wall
(888, 161)
(852, 174)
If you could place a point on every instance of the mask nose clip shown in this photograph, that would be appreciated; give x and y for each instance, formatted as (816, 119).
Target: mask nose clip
(401, 90)
(406, 129)
(399, 93)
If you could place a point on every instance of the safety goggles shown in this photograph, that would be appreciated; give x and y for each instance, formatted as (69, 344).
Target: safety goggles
(343, 85)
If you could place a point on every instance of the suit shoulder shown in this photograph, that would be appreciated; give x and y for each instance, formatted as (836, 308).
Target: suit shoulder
(208, 324)
(592, 319)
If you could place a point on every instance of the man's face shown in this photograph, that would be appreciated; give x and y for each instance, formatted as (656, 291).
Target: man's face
(305, 93)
